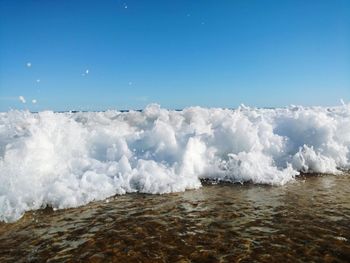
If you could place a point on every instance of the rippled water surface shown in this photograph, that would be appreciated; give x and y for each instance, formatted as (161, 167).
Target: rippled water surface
(306, 220)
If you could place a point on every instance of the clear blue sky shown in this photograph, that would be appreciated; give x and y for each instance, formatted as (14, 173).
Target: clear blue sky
(175, 53)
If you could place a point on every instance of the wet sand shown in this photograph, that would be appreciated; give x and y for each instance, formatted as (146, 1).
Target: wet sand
(304, 221)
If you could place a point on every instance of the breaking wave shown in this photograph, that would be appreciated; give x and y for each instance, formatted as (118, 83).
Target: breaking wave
(69, 159)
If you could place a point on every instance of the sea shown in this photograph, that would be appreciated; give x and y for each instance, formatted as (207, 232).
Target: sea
(191, 185)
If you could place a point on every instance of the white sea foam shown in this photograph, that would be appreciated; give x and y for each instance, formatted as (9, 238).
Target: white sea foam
(22, 99)
(69, 159)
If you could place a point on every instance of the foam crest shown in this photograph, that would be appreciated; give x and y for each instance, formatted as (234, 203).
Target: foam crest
(69, 159)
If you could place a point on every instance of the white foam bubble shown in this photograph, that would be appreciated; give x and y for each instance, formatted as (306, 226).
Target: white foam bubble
(69, 159)
(22, 99)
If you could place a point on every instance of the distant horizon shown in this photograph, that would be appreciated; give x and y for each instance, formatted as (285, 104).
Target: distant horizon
(95, 56)
(31, 107)
(340, 104)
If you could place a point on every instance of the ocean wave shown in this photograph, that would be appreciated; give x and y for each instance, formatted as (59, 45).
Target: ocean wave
(68, 159)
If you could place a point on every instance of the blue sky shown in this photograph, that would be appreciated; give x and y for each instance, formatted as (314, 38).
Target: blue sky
(175, 53)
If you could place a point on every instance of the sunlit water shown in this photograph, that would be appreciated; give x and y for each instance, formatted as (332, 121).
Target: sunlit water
(305, 220)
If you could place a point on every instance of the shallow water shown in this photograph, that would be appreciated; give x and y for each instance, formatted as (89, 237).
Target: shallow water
(305, 220)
